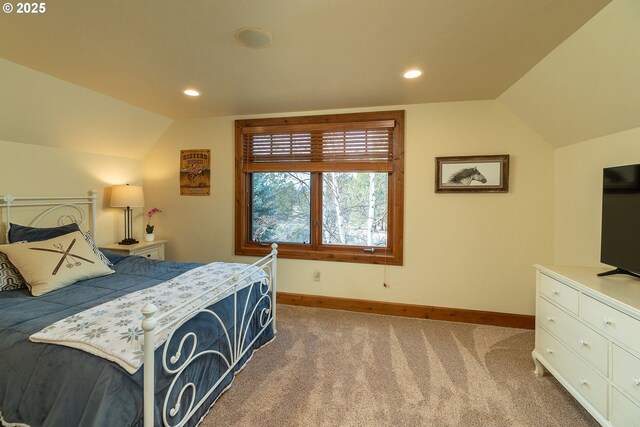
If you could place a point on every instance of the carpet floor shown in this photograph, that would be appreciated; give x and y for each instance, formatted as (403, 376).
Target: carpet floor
(337, 368)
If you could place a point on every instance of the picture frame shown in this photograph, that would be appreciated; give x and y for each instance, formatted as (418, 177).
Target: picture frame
(195, 172)
(472, 174)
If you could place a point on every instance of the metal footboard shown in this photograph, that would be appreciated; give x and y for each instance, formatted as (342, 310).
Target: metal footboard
(262, 311)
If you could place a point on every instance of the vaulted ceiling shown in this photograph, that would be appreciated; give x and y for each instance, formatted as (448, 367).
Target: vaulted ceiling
(326, 54)
(589, 86)
(107, 76)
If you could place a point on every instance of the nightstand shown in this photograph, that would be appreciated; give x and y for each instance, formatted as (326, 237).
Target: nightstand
(151, 250)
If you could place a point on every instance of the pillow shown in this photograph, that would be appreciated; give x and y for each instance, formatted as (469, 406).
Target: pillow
(19, 232)
(10, 277)
(55, 263)
(94, 248)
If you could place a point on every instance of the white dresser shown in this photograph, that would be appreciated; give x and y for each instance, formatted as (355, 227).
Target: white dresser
(588, 337)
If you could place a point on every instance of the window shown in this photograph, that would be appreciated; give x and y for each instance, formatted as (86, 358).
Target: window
(323, 187)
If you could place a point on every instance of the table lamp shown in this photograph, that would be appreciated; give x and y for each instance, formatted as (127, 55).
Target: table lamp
(127, 197)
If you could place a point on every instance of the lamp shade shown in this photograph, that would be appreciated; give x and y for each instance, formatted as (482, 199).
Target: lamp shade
(123, 196)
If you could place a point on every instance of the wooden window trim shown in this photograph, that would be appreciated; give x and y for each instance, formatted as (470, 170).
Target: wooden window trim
(392, 255)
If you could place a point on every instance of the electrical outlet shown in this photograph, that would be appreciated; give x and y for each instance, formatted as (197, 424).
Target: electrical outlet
(316, 275)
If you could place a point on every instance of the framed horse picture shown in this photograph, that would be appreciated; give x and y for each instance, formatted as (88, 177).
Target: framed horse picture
(472, 174)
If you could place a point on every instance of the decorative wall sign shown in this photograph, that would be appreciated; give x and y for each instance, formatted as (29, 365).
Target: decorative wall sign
(195, 172)
(472, 174)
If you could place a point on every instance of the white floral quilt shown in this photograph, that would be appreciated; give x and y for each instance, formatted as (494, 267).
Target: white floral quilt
(113, 330)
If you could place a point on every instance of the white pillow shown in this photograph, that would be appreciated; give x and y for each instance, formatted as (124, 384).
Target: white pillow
(55, 263)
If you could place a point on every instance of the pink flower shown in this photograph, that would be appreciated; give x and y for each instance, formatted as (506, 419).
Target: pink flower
(152, 212)
(149, 214)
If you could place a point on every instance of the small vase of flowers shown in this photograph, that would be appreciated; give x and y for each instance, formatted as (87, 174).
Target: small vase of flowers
(150, 236)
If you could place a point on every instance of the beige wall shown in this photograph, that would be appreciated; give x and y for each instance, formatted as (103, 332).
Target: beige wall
(578, 193)
(36, 108)
(587, 87)
(32, 170)
(470, 251)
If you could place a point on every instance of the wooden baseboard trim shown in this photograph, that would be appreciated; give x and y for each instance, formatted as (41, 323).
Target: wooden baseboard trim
(410, 310)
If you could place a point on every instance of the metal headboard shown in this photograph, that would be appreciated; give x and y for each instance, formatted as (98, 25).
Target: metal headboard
(78, 209)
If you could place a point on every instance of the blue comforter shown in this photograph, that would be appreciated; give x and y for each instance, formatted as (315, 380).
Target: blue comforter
(52, 385)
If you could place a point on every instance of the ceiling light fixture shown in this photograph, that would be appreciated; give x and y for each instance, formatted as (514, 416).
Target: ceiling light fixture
(191, 92)
(412, 74)
(256, 38)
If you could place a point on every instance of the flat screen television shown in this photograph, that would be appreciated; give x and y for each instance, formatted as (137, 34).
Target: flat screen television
(621, 220)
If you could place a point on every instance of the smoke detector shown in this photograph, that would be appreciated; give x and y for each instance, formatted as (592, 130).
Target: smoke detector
(256, 38)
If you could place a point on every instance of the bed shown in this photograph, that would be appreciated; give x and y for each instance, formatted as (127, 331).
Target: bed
(51, 385)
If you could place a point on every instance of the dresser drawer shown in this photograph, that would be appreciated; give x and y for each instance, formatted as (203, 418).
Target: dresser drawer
(559, 293)
(624, 413)
(626, 371)
(612, 322)
(582, 378)
(587, 343)
(151, 250)
(151, 253)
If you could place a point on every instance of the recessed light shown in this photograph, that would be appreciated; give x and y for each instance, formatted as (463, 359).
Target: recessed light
(256, 38)
(412, 74)
(191, 92)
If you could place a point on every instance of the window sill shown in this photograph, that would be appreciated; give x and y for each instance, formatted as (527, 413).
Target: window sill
(339, 255)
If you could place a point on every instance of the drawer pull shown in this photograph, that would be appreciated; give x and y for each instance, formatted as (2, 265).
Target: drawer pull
(583, 381)
(550, 319)
(549, 350)
(636, 381)
(556, 292)
(583, 343)
(607, 322)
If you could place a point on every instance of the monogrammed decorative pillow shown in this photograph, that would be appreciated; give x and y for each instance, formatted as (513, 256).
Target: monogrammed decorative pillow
(55, 263)
(10, 277)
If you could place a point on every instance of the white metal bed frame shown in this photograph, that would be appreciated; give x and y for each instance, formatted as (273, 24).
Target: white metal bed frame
(81, 207)
(73, 203)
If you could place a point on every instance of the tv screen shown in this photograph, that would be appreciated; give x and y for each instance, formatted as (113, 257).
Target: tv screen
(621, 218)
